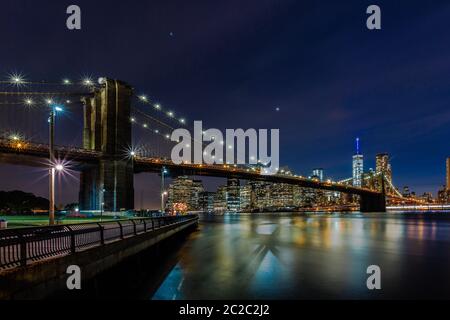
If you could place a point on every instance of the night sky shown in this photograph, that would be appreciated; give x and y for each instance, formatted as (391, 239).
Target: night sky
(232, 63)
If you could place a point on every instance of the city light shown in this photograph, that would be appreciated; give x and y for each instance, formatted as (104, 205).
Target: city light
(59, 167)
(66, 81)
(16, 79)
(143, 98)
(170, 114)
(88, 82)
(157, 106)
(29, 102)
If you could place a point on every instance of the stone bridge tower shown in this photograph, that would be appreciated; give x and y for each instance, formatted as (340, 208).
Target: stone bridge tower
(107, 129)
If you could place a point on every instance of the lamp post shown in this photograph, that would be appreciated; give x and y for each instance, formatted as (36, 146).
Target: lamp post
(102, 204)
(51, 120)
(163, 194)
(163, 172)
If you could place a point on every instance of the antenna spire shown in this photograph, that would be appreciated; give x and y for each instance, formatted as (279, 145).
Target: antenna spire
(357, 145)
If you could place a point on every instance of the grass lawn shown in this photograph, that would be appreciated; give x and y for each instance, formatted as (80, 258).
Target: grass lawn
(33, 221)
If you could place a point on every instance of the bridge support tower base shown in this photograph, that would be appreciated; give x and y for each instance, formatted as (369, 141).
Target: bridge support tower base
(107, 129)
(373, 203)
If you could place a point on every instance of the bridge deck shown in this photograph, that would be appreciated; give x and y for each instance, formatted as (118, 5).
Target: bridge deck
(32, 154)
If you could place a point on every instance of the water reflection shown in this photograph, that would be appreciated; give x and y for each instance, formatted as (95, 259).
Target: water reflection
(302, 257)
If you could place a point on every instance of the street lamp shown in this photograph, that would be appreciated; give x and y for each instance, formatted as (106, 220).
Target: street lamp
(53, 110)
(163, 172)
(163, 194)
(102, 204)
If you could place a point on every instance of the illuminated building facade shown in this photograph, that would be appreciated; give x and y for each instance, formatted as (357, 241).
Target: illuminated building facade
(247, 197)
(233, 195)
(318, 174)
(184, 191)
(448, 174)
(207, 201)
(220, 199)
(281, 195)
(358, 167)
(383, 166)
(261, 194)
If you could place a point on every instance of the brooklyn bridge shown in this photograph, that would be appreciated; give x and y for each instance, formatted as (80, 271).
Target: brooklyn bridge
(107, 159)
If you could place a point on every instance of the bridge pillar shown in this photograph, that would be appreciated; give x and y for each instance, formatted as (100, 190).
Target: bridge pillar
(373, 203)
(107, 128)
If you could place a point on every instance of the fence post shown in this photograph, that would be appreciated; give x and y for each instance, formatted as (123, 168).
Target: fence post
(145, 225)
(134, 227)
(72, 240)
(23, 250)
(102, 235)
(121, 230)
(153, 224)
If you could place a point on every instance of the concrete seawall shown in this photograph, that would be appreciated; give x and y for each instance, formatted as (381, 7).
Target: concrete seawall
(41, 279)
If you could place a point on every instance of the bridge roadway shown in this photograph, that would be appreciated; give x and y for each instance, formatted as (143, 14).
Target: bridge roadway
(32, 154)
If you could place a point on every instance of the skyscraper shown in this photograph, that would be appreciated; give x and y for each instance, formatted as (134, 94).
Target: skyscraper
(448, 174)
(233, 195)
(358, 166)
(186, 192)
(383, 166)
(318, 173)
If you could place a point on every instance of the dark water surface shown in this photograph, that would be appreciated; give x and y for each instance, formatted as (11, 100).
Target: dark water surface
(294, 257)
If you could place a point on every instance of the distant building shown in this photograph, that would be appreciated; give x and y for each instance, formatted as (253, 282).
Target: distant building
(207, 201)
(184, 192)
(297, 196)
(247, 197)
(427, 197)
(358, 166)
(383, 169)
(261, 191)
(406, 192)
(383, 166)
(318, 174)
(220, 199)
(196, 193)
(281, 195)
(443, 195)
(448, 174)
(233, 195)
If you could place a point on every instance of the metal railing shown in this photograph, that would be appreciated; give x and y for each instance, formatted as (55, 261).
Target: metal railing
(18, 247)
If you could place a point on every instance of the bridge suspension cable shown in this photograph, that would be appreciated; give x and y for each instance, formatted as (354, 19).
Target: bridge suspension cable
(157, 107)
(18, 80)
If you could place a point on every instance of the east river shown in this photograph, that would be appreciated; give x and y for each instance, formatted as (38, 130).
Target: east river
(323, 256)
